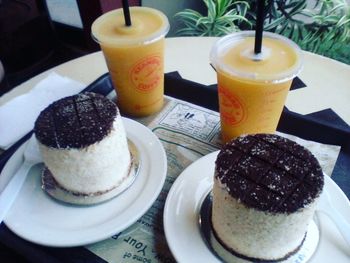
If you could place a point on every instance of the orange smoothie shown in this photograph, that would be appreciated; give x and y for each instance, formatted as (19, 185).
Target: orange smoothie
(253, 88)
(135, 57)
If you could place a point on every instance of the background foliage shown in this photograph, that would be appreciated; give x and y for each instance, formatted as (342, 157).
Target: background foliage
(320, 26)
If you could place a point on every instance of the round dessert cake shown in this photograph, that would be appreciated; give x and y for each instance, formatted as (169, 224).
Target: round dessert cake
(265, 192)
(83, 144)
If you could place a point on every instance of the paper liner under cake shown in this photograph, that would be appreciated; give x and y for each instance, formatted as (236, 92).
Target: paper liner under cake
(301, 255)
(52, 188)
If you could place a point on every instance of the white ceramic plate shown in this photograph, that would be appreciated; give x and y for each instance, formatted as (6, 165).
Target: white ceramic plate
(40, 219)
(182, 207)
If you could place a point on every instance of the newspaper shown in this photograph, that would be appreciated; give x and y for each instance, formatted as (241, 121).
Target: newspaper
(187, 133)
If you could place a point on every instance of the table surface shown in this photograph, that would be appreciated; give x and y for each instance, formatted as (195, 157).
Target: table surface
(327, 80)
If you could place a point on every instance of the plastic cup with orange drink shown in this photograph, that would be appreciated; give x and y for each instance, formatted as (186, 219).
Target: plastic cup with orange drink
(253, 87)
(135, 57)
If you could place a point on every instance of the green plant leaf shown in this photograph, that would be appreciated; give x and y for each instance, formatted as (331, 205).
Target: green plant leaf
(343, 21)
(298, 7)
(211, 9)
(187, 32)
(189, 12)
(222, 6)
(204, 20)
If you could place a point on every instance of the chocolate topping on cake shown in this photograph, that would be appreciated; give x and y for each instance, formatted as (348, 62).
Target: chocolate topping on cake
(269, 173)
(76, 121)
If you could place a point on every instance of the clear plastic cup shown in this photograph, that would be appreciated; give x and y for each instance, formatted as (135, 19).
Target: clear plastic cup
(253, 88)
(135, 57)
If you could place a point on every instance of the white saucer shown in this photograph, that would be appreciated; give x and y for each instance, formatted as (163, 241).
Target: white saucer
(37, 217)
(184, 201)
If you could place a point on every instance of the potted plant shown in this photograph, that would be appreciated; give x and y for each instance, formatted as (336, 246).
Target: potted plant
(320, 26)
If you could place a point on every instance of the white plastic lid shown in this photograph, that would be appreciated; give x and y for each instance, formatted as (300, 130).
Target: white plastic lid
(129, 38)
(227, 43)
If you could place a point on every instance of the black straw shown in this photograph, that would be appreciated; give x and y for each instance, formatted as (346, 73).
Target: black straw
(126, 12)
(260, 15)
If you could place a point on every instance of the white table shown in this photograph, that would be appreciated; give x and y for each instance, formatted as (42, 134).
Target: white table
(327, 80)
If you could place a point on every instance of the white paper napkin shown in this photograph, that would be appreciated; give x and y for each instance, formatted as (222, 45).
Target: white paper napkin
(17, 116)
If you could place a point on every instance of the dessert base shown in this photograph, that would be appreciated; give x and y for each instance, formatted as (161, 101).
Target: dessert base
(305, 252)
(53, 189)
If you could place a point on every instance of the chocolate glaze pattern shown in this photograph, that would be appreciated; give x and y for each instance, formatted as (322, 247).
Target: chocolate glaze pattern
(269, 173)
(76, 121)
